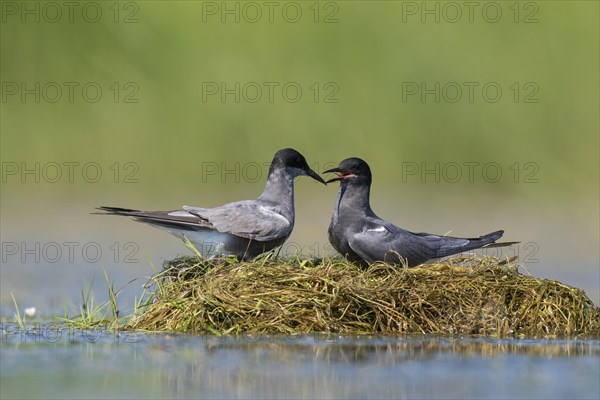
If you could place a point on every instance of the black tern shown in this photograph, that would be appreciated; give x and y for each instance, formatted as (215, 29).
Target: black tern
(362, 237)
(243, 229)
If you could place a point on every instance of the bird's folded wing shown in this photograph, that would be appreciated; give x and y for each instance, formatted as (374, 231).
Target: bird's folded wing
(246, 219)
(382, 241)
(370, 245)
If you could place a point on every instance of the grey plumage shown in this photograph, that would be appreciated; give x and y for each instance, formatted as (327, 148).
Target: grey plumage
(243, 229)
(361, 236)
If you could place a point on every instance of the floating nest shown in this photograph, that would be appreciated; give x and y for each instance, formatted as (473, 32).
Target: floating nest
(466, 296)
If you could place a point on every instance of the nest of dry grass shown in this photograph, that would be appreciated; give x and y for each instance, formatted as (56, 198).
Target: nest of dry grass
(473, 296)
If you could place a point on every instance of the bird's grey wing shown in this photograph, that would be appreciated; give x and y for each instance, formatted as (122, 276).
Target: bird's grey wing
(368, 245)
(247, 219)
(383, 241)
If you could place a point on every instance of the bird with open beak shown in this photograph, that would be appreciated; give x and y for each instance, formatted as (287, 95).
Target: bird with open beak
(362, 237)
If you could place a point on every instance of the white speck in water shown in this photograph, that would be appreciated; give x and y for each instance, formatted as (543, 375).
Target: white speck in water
(30, 312)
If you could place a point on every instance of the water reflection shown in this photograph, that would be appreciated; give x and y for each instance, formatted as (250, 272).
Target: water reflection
(363, 367)
(322, 366)
(350, 348)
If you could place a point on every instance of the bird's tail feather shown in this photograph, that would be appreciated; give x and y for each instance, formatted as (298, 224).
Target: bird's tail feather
(160, 219)
(457, 245)
(501, 244)
(116, 211)
(490, 237)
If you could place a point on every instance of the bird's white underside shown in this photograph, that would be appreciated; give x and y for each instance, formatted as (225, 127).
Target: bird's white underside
(209, 243)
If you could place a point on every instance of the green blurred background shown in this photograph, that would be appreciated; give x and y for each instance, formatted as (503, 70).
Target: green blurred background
(163, 56)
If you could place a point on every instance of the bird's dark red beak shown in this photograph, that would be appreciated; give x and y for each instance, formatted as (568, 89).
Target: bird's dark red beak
(340, 174)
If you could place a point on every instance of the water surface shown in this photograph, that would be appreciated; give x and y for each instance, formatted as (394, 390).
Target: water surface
(100, 364)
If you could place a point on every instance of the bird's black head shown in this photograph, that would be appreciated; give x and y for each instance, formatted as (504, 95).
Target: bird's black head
(295, 163)
(352, 170)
